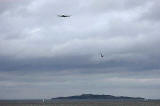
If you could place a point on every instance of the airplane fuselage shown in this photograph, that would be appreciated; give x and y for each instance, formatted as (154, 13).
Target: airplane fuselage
(63, 15)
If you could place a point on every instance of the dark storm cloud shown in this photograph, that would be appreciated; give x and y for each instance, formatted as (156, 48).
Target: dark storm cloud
(40, 52)
(82, 64)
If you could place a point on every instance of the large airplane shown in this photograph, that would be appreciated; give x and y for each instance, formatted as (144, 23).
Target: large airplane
(64, 15)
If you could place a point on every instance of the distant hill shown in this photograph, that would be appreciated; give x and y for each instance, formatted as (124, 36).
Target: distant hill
(92, 96)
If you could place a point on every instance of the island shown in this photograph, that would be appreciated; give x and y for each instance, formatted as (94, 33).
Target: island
(97, 97)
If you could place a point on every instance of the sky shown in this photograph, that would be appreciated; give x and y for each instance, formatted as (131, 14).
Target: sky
(44, 56)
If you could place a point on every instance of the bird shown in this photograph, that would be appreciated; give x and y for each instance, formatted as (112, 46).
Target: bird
(64, 15)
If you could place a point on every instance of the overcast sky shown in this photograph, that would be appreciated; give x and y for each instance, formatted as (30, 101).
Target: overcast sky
(44, 56)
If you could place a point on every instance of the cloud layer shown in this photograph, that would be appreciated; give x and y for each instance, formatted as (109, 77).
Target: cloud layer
(47, 54)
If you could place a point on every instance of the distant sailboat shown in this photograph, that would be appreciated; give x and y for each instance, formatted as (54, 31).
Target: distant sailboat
(43, 100)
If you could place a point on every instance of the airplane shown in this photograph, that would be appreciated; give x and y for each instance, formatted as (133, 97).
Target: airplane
(64, 15)
(102, 55)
